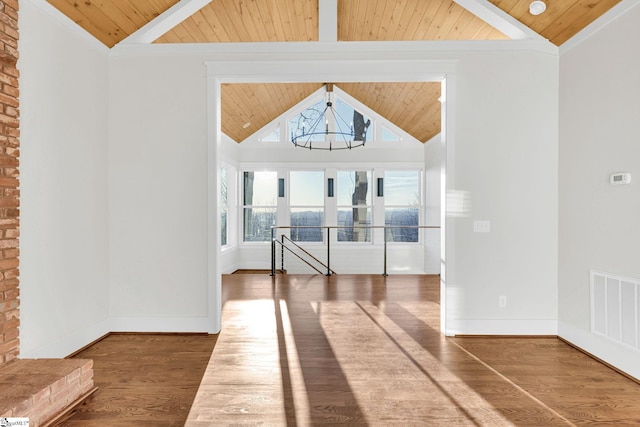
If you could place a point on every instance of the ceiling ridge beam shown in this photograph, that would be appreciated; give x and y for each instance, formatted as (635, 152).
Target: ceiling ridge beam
(328, 20)
(499, 19)
(165, 21)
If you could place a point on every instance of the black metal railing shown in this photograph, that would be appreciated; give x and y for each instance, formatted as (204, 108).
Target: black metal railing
(327, 265)
(283, 247)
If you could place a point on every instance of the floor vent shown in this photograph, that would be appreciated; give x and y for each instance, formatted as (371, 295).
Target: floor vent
(615, 308)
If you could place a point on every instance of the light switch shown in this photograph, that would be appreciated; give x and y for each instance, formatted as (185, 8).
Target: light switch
(481, 226)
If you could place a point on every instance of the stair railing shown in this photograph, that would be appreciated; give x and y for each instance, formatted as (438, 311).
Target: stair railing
(329, 271)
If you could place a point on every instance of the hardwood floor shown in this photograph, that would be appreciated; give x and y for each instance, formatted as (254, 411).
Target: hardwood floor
(143, 379)
(367, 351)
(347, 350)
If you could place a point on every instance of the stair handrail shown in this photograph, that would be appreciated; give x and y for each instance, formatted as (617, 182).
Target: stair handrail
(328, 228)
(273, 272)
(329, 270)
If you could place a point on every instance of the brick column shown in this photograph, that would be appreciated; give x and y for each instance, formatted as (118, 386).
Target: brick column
(9, 193)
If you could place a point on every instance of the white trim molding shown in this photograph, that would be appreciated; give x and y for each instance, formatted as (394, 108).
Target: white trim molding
(306, 67)
(502, 327)
(617, 355)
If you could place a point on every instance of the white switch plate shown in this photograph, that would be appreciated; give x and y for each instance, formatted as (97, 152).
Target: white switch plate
(502, 301)
(481, 226)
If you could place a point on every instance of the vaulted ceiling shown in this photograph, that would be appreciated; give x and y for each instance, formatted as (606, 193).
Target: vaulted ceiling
(411, 106)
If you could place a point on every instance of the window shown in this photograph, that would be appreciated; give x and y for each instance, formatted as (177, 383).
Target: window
(387, 135)
(306, 120)
(271, 136)
(306, 190)
(224, 205)
(259, 205)
(402, 204)
(313, 121)
(357, 121)
(354, 205)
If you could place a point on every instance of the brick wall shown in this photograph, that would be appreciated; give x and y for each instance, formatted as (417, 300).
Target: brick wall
(9, 193)
(41, 389)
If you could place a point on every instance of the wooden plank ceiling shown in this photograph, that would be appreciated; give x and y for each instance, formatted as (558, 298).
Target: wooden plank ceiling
(247, 108)
(411, 106)
(563, 18)
(111, 21)
(249, 21)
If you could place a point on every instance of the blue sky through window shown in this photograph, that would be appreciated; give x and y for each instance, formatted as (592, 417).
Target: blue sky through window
(401, 188)
(307, 188)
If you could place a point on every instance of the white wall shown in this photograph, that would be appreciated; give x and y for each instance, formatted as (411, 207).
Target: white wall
(229, 255)
(502, 153)
(599, 227)
(63, 174)
(505, 160)
(158, 193)
(505, 171)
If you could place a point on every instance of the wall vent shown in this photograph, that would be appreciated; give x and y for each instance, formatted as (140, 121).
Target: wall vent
(615, 308)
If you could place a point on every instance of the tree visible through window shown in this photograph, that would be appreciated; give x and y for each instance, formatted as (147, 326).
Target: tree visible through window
(259, 205)
(354, 206)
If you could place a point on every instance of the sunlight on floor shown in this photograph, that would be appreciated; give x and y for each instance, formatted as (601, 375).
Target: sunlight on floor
(290, 361)
(390, 356)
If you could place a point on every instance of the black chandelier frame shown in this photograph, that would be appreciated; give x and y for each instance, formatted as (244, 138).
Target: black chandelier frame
(348, 139)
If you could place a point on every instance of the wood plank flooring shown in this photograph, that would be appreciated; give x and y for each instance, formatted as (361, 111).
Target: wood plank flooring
(143, 379)
(367, 351)
(347, 350)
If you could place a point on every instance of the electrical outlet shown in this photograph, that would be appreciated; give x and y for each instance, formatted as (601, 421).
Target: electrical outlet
(481, 226)
(502, 301)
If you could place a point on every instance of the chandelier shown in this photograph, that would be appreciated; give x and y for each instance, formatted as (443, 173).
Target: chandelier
(325, 129)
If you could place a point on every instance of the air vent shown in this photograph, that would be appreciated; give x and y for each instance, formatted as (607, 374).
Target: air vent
(615, 308)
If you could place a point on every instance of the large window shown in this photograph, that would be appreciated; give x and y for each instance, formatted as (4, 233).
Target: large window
(402, 204)
(306, 200)
(354, 206)
(259, 205)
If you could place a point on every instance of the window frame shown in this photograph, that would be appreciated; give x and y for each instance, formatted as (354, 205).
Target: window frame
(323, 207)
(242, 206)
(419, 172)
(369, 207)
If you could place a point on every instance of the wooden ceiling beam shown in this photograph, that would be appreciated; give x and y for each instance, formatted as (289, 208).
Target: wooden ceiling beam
(166, 21)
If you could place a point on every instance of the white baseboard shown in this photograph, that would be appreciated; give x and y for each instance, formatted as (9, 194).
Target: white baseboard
(61, 348)
(501, 327)
(255, 265)
(229, 268)
(228, 260)
(625, 359)
(160, 324)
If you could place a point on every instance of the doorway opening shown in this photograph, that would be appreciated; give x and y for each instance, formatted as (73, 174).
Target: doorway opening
(298, 70)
